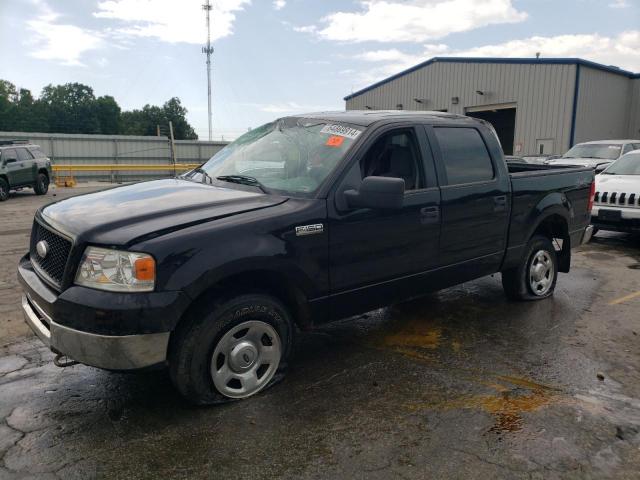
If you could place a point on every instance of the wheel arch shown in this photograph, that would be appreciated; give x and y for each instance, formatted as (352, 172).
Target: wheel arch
(555, 226)
(289, 287)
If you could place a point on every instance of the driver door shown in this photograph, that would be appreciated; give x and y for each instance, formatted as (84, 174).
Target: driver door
(379, 256)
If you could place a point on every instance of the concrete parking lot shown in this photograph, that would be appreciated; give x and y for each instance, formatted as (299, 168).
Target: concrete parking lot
(459, 384)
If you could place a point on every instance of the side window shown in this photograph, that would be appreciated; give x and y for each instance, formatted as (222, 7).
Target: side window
(24, 154)
(636, 146)
(9, 154)
(37, 152)
(395, 154)
(465, 155)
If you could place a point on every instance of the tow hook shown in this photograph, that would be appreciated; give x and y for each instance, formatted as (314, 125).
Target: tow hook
(62, 361)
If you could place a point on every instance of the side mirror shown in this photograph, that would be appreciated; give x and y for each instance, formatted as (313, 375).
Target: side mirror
(377, 193)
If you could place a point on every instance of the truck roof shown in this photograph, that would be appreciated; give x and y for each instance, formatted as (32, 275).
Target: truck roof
(367, 117)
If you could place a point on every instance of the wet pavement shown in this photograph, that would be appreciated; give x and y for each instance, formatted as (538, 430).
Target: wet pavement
(459, 384)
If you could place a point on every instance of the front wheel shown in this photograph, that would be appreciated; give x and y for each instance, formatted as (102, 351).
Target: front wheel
(231, 350)
(537, 275)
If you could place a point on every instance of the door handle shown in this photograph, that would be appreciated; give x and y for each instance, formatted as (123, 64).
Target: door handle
(430, 212)
(500, 203)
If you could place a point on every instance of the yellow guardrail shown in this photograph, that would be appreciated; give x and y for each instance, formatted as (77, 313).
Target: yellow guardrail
(64, 173)
(122, 167)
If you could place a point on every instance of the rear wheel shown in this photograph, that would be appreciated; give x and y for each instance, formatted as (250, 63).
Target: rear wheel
(4, 190)
(231, 350)
(42, 184)
(536, 277)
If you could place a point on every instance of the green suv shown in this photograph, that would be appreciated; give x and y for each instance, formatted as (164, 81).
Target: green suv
(23, 165)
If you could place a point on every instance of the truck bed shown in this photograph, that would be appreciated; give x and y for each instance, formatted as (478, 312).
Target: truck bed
(533, 187)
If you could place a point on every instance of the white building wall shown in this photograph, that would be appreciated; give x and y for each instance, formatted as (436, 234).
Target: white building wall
(543, 94)
(604, 104)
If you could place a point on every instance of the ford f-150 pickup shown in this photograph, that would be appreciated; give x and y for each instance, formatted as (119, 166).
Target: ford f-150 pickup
(298, 222)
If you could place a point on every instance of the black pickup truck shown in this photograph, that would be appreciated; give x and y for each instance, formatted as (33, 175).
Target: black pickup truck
(301, 221)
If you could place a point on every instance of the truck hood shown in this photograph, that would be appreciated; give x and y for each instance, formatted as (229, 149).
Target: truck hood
(583, 162)
(121, 215)
(618, 183)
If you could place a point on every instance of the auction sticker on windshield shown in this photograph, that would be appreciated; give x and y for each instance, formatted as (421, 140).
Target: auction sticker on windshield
(341, 130)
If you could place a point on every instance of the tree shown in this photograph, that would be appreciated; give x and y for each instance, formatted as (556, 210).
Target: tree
(108, 113)
(8, 108)
(176, 113)
(30, 114)
(73, 108)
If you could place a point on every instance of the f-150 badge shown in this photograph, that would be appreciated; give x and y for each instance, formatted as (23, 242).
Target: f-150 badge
(309, 229)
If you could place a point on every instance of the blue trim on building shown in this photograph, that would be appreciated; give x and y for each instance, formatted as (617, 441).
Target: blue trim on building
(574, 113)
(516, 61)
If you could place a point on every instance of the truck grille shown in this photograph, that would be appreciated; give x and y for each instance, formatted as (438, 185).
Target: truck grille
(55, 262)
(622, 199)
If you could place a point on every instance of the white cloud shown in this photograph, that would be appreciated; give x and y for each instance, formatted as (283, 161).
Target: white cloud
(620, 4)
(51, 40)
(171, 20)
(413, 20)
(622, 50)
(287, 107)
(279, 4)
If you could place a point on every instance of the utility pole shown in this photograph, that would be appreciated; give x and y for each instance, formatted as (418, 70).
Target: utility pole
(208, 50)
(172, 148)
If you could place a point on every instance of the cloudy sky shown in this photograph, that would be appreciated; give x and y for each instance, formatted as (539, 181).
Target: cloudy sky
(279, 57)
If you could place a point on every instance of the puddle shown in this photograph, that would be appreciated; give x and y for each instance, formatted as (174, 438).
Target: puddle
(415, 333)
(507, 405)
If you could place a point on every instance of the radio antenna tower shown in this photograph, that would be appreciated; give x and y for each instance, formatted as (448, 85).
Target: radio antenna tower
(208, 50)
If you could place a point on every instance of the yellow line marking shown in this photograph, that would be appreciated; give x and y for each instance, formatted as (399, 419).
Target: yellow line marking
(631, 296)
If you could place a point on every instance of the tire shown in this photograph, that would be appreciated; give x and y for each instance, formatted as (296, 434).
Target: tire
(4, 190)
(536, 277)
(42, 184)
(215, 355)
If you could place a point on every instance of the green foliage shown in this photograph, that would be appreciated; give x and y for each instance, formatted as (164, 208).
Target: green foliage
(74, 108)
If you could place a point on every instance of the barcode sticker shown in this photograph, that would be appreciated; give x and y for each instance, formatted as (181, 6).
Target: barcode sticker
(341, 130)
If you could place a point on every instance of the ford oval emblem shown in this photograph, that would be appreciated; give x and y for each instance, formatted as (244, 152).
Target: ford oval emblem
(42, 247)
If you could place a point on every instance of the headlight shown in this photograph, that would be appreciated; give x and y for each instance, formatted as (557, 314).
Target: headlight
(116, 271)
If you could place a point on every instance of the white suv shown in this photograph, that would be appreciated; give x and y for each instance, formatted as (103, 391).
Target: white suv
(617, 200)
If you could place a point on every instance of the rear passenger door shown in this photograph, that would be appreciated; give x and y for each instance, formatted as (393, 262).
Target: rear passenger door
(475, 200)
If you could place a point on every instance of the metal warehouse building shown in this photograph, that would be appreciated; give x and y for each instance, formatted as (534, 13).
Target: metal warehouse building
(535, 105)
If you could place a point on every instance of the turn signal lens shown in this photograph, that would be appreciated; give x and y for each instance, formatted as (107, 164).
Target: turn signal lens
(144, 269)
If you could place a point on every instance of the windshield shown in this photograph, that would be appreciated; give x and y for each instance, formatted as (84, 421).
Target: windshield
(594, 150)
(291, 155)
(628, 164)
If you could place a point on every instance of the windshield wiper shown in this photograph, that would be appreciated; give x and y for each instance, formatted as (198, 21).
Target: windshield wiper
(243, 180)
